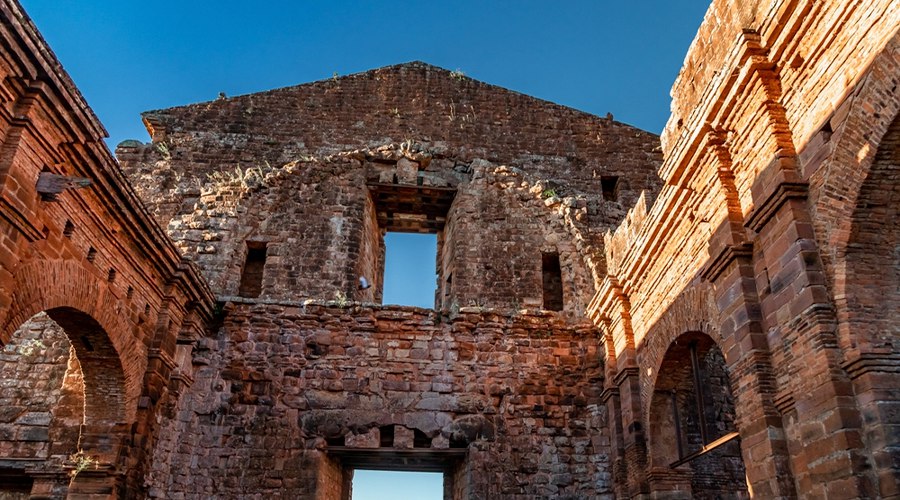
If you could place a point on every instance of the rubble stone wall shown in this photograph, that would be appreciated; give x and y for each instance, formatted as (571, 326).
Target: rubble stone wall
(41, 394)
(280, 383)
(318, 222)
(299, 167)
(412, 101)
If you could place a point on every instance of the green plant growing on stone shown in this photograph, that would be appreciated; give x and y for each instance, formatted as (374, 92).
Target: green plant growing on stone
(246, 178)
(28, 347)
(81, 462)
(548, 193)
(341, 299)
(164, 150)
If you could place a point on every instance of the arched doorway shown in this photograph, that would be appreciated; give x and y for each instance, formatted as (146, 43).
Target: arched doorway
(62, 393)
(868, 299)
(694, 450)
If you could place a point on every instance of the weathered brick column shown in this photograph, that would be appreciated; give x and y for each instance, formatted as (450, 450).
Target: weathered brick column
(622, 392)
(746, 349)
(179, 327)
(744, 343)
(670, 484)
(798, 315)
(103, 477)
(49, 485)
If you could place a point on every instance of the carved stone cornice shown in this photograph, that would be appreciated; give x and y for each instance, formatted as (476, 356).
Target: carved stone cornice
(872, 362)
(609, 392)
(624, 373)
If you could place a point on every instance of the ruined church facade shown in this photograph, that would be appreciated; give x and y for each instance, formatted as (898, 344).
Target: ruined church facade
(707, 314)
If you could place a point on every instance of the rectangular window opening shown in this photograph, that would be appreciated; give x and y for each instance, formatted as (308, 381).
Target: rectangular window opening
(410, 269)
(386, 485)
(609, 184)
(252, 274)
(552, 280)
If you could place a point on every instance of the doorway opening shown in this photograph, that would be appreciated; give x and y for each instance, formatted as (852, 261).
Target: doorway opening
(397, 485)
(410, 269)
(693, 435)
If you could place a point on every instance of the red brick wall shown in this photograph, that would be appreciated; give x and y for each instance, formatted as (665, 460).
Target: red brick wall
(776, 147)
(92, 259)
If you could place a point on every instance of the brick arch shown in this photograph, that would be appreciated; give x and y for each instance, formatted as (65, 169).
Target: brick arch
(675, 375)
(95, 320)
(678, 425)
(867, 296)
(693, 311)
(840, 189)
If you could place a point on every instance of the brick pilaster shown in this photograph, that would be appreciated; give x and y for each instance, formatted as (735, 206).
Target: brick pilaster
(799, 318)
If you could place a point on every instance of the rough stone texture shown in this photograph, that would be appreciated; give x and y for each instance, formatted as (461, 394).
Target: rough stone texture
(463, 117)
(306, 169)
(769, 251)
(95, 263)
(41, 393)
(518, 394)
(282, 383)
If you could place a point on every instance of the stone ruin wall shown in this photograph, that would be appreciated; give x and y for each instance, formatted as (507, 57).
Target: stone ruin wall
(768, 87)
(301, 171)
(280, 383)
(497, 209)
(519, 185)
(41, 394)
(414, 102)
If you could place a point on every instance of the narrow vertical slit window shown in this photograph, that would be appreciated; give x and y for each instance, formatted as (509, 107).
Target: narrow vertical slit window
(386, 436)
(254, 265)
(552, 280)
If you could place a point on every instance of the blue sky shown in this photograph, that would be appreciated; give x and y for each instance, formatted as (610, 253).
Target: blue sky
(389, 485)
(598, 56)
(410, 269)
